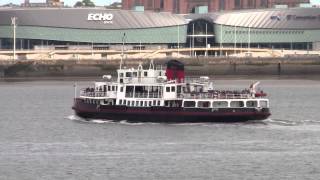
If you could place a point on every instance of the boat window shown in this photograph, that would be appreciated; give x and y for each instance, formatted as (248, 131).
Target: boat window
(121, 75)
(167, 89)
(236, 104)
(219, 104)
(121, 89)
(173, 89)
(252, 104)
(189, 104)
(264, 104)
(204, 104)
(178, 89)
(135, 74)
(145, 73)
(128, 74)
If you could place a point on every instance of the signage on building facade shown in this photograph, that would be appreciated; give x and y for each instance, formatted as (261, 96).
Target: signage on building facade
(294, 17)
(106, 18)
(307, 17)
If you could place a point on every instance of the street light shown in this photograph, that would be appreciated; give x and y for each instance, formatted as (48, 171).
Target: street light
(13, 23)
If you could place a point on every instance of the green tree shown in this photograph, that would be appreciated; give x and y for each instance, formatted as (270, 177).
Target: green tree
(78, 4)
(84, 3)
(88, 3)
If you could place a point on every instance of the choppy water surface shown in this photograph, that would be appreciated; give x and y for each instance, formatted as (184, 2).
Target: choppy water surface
(40, 138)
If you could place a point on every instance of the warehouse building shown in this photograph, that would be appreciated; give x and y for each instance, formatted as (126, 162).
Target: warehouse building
(99, 28)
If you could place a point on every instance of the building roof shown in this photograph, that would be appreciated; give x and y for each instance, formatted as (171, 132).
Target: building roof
(78, 18)
(292, 18)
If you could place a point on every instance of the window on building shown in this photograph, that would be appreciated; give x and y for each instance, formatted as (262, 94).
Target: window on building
(120, 101)
(121, 89)
(145, 73)
(221, 4)
(237, 4)
(264, 3)
(173, 89)
(167, 89)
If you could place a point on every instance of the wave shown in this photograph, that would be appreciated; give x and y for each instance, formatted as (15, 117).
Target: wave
(270, 121)
(287, 122)
(282, 122)
(102, 121)
(83, 120)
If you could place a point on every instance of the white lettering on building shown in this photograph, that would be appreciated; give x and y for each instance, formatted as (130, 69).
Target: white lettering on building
(105, 17)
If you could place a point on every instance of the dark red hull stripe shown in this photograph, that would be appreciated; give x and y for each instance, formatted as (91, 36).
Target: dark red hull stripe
(168, 114)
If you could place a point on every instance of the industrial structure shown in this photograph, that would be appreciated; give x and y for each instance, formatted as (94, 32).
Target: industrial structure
(105, 29)
(47, 3)
(205, 6)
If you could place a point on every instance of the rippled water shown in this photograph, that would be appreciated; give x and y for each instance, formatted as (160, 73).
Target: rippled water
(40, 138)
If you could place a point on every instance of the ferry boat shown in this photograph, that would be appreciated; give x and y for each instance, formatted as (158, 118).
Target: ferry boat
(155, 94)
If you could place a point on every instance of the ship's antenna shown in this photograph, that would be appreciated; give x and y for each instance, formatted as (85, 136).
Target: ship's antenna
(122, 49)
(151, 66)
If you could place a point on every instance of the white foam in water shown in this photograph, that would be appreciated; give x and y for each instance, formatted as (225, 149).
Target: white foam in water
(73, 118)
(281, 122)
(99, 121)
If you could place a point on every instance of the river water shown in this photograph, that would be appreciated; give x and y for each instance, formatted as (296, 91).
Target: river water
(41, 138)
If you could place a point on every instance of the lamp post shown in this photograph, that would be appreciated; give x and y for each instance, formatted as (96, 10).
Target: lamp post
(14, 25)
(178, 41)
(122, 49)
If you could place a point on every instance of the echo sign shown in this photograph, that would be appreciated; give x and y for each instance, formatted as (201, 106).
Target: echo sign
(105, 17)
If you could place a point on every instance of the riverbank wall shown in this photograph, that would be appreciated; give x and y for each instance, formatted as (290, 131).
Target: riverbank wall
(193, 66)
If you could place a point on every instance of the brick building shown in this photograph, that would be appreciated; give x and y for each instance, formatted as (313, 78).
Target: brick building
(194, 6)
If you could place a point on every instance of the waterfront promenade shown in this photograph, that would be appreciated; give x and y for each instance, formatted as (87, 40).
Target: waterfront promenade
(300, 65)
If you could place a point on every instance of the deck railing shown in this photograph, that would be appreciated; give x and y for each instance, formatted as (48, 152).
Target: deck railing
(143, 95)
(214, 96)
(93, 94)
